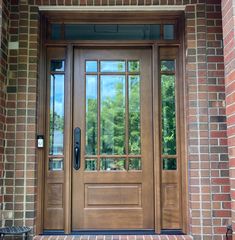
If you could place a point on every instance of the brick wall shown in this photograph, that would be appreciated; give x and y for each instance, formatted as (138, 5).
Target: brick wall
(209, 177)
(4, 20)
(229, 60)
(20, 164)
(209, 188)
(1, 161)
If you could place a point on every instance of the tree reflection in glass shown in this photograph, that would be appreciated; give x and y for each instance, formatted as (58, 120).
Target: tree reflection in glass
(168, 115)
(91, 114)
(134, 114)
(133, 66)
(112, 118)
(169, 164)
(134, 164)
(56, 141)
(112, 66)
(90, 165)
(111, 164)
(168, 65)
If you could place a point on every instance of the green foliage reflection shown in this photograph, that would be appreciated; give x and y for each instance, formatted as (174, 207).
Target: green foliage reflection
(134, 163)
(169, 164)
(112, 164)
(168, 114)
(91, 127)
(112, 114)
(91, 115)
(134, 114)
(90, 165)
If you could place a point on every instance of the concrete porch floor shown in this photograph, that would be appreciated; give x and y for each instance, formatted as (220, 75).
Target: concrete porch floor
(115, 237)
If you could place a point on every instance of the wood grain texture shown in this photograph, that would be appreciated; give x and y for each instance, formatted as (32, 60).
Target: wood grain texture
(171, 182)
(55, 195)
(128, 201)
(113, 195)
(166, 182)
(54, 180)
(45, 178)
(113, 219)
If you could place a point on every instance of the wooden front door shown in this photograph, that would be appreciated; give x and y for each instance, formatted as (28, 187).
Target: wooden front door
(112, 176)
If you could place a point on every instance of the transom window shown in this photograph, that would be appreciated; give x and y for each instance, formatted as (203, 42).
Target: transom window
(69, 31)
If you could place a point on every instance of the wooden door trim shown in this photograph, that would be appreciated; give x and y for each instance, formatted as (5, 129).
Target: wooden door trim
(54, 178)
(152, 8)
(113, 16)
(41, 123)
(183, 128)
(156, 150)
(41, 105)
(156, 142)
(68, 153)
(68, 139)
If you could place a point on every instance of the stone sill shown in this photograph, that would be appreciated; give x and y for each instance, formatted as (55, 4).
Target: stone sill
(115, 237)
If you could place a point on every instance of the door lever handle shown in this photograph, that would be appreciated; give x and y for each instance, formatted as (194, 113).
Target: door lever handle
(77, 148)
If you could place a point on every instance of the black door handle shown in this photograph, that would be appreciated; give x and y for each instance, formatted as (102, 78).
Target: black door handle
(77, 148)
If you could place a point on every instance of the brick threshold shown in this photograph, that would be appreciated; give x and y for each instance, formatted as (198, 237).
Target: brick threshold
(114, 237)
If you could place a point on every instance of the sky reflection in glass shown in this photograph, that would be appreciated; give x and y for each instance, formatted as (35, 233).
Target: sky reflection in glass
(56, 114)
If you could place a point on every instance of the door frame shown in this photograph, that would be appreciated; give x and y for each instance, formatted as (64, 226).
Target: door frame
(41, 114)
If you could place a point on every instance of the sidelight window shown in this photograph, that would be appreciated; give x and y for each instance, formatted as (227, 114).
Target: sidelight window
(56, 115)
(168, 115)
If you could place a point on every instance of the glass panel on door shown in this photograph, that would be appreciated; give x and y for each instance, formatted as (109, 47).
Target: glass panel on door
(113, 115)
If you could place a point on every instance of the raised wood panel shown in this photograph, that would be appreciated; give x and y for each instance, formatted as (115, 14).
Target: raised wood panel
(55, 195)
(112, 194)
(113, 219)
(170, 219)
(55, 221)
(170, 196)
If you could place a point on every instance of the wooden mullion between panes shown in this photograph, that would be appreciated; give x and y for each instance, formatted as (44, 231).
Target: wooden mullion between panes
(114, 156)
(127, 119)
(157, 139)
(55, 156)
(98, 116)
(167, 73)
(67, 138)
(169, 156)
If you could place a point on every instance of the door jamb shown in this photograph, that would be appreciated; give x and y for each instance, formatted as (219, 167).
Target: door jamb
(68, 127)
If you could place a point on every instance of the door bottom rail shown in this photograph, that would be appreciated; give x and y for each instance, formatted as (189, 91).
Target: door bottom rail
(114, 232)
